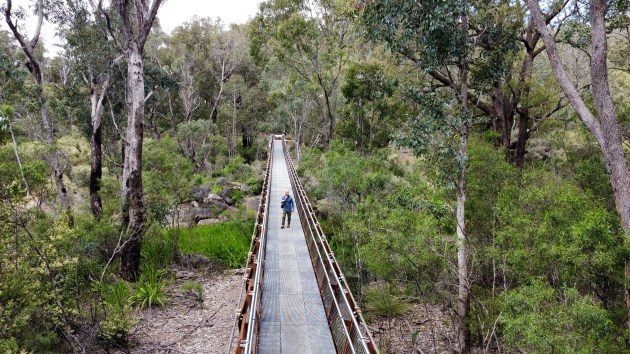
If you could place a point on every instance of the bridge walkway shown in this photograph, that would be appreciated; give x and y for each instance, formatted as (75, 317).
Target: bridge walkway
(292, 317)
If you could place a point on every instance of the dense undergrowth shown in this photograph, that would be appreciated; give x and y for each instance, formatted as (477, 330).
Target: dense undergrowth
(548, 252)
(59, 286)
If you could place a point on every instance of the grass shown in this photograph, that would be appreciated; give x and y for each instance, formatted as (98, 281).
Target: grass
(227, 243)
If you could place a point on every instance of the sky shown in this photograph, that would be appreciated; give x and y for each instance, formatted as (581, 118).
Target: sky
(172, 13)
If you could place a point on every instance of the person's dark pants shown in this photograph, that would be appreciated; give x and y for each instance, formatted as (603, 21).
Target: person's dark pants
(286, 215)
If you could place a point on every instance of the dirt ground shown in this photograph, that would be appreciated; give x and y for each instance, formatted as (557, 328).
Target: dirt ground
(424, 328)
(187, 325)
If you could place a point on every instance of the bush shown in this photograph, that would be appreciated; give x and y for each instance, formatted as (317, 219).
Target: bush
(385, 302)
(150, 288)
(539, 319)
(117, 324)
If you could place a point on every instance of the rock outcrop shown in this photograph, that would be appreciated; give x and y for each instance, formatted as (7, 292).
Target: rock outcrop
(207, 207)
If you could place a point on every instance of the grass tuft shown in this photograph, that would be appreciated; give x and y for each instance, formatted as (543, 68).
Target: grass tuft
(227, 243)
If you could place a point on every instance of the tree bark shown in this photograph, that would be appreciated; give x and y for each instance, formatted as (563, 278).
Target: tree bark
(606, 131)
(463, 289)
(96, 169)
(135, 31)
(134, 213)
(525, 77)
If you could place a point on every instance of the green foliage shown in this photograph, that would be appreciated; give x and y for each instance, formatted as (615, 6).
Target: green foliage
(115, 327)
(370, 112)
(150, 288)
(537, 318)
(159, 247)
(431, 28)
(38, 285)
(226, 242)
(383, 302)
(193, 289)
(167, 178)
(553, 229)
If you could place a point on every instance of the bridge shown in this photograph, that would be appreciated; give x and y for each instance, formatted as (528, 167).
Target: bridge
(295, 298)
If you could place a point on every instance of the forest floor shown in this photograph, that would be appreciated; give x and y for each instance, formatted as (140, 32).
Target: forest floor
(187, 325)
(423, 328)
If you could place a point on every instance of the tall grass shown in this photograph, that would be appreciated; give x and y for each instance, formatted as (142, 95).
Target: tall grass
(227, 243)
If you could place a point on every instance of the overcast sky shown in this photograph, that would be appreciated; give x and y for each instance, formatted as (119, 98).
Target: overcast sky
(172, 14)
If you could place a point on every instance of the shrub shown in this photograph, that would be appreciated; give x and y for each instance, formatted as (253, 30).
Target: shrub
(117, 324)
(384, 302)
(150, 288)
(540, 319)
(194, 289)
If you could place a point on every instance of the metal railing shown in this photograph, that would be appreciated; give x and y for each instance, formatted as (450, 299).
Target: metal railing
(248, 317)
(349, 331)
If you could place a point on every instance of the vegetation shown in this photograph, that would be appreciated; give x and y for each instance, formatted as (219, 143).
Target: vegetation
(227, 243)
(471, 155)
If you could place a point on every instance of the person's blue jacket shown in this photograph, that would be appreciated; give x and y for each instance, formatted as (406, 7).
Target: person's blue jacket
(289, 204)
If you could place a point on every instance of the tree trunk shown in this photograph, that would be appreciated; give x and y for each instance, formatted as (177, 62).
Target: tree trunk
(463, 289)
(523, 122)
(96, 169)
(58, 171)
(34, 67)
(521, 142)
(19, 161)
(606, 131)
(132, 198)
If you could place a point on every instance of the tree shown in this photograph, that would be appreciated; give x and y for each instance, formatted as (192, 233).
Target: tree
(444, 35)
(229, 50)
(366, 90)
(603, 121)
(6, 112)
(34, 65)
(93, 52)
(312, 39)
(136, 21)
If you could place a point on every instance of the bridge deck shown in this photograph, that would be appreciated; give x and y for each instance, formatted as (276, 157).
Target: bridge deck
(292, 315)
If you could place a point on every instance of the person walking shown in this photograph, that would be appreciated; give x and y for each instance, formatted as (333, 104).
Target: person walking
(288, 207)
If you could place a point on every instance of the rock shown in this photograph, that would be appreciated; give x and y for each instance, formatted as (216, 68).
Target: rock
(242, 187)
(252, 202)
(228, 201)
(226, 192)
(201, 192)
(215, 201)
(203, 213)
(210, 197)
(222, 181)
(187, 216)
(209, 222)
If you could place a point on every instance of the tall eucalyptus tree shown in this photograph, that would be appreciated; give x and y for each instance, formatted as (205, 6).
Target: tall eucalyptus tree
(130, 35)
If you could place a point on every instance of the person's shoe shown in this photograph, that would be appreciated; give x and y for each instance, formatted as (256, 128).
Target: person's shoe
(288, 226)
(282, 227)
